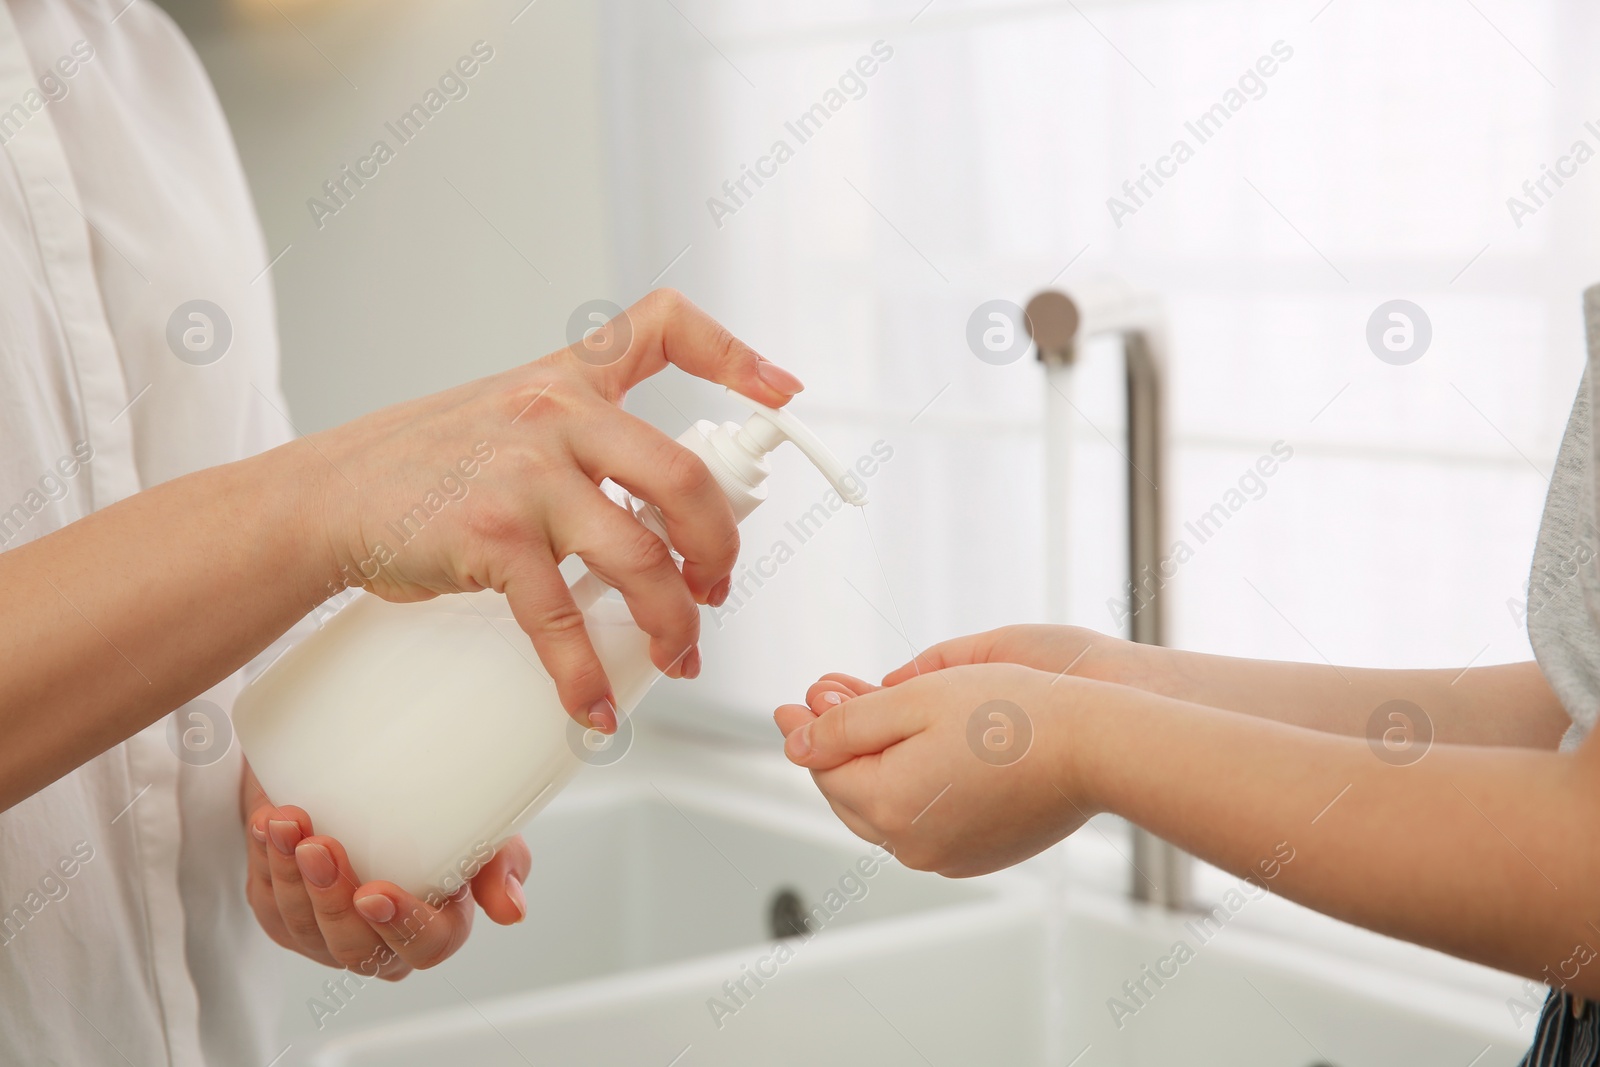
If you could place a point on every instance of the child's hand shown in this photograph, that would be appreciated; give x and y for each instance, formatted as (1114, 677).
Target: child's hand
(306, 897)
(1056, 649)
(961, 771)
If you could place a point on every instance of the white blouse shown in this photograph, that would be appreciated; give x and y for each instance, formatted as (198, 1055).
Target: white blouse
(124, 932)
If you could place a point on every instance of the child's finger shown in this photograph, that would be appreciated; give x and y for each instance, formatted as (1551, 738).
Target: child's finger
(956, 652)
(863, 726)
(856, 686)
(790, 717)
(834, 689)
(827, 694)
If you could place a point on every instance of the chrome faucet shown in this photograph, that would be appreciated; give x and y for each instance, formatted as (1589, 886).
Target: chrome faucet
(1058, 324)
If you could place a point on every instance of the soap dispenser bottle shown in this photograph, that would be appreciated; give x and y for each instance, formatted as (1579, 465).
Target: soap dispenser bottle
(422, 736)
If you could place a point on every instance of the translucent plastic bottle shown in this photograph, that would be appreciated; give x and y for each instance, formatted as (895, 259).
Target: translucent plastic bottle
(423, 736)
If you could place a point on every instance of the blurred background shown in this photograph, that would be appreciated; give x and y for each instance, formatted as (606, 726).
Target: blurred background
(598, 155)
(977, 165)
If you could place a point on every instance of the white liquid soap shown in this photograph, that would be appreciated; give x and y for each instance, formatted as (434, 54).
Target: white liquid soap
(423, 736)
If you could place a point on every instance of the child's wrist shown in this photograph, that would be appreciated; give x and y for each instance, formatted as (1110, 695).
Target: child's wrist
(1077, 715)
(1132, 664)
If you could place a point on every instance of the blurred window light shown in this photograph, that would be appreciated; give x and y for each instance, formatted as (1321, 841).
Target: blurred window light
(1334, 159)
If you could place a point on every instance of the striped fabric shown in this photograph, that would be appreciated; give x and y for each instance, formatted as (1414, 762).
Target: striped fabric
(1568, 1034)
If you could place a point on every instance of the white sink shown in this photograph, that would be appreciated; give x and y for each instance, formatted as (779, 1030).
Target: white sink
(652, 892)
(646, 900)
(1246, 999)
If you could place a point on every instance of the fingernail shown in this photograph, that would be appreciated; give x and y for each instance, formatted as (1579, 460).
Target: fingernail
(602, 716)
(719, 592)
(316, 864)
(514, 891)
(376, 908)
(832, 697)
(800, 743)
(258, 833)
(778, 378)
(691, 663)
(285, 835)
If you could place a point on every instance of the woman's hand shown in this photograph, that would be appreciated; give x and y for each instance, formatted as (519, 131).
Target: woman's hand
(1056, 649)
(962, 771)
(308, 899)
(491, 484)
(129, 612)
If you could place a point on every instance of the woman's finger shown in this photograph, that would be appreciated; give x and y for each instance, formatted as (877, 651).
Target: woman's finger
(422, 935)
(654, 467)
(544, 608)
(621, 552)
(287, 826)
(498, 886)
(330, 884)
(665, 328)
(258, 880)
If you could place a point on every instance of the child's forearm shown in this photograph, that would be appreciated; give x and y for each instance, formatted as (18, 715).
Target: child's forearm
(1507, 704)
(1504, 704)
(1486, 853)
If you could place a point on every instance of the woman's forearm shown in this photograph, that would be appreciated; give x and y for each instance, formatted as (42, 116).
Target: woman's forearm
(113, 621)
(1486, 853)
(1504, 704)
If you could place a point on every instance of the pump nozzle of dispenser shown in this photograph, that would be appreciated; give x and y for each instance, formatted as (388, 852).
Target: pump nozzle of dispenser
(767, 428)
(736, 456)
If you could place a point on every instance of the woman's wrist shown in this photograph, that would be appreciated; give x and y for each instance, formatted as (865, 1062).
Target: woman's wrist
(300, 511)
